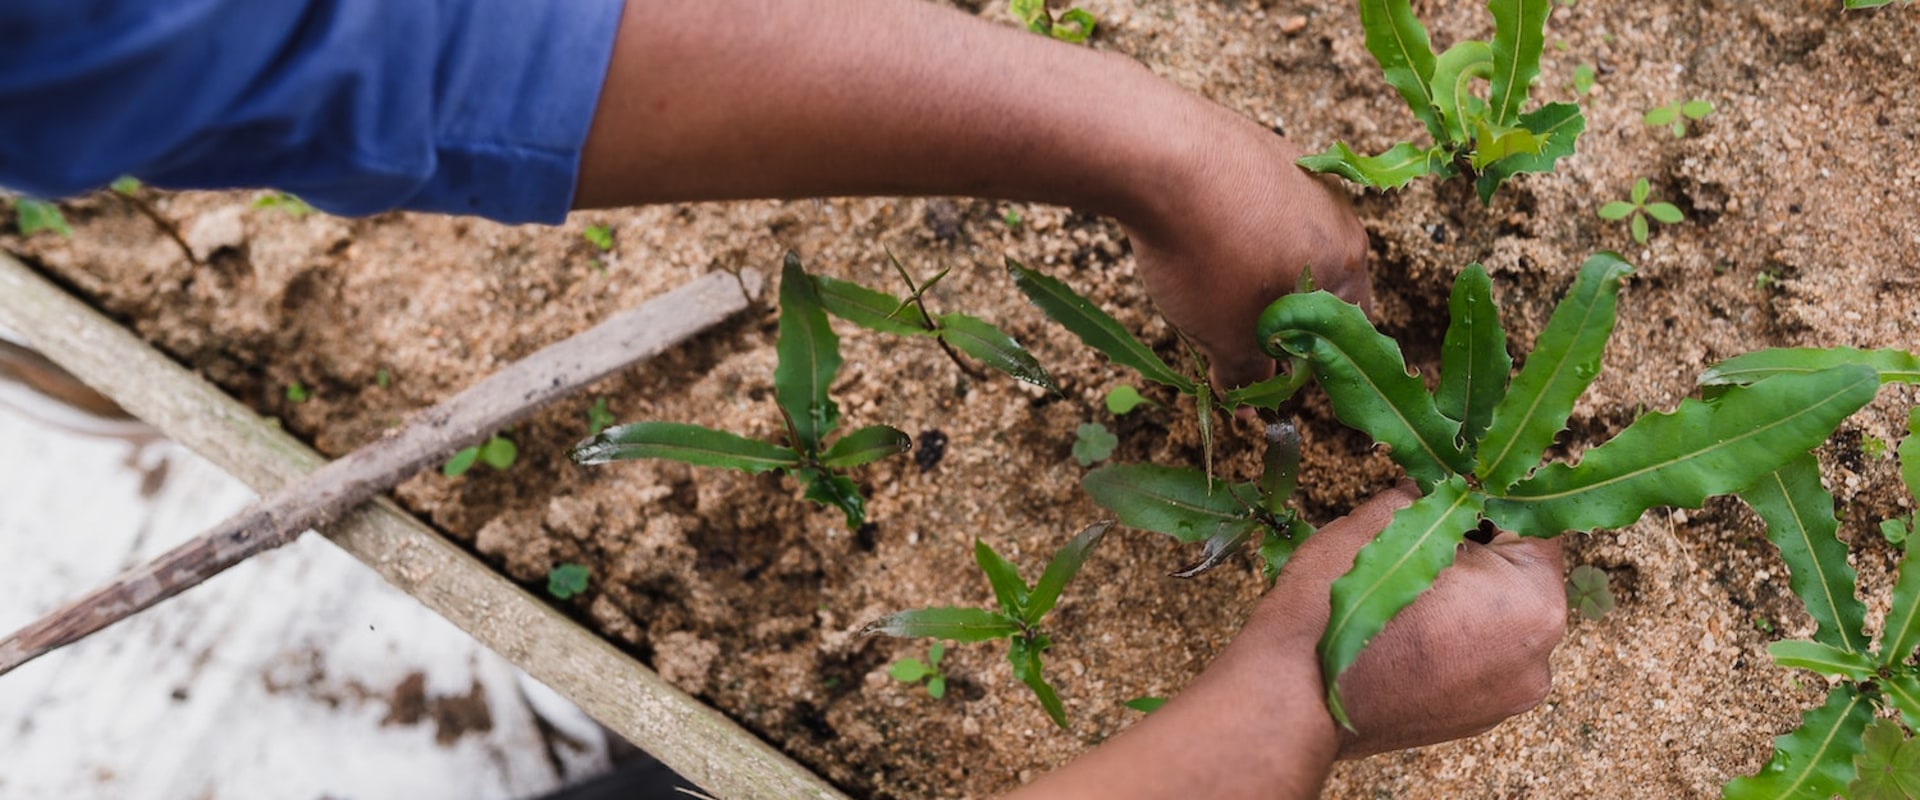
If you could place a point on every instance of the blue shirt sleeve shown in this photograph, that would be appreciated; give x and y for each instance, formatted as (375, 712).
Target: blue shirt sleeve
(358, 106)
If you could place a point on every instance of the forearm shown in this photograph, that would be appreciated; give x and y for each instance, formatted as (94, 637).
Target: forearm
(735, 99)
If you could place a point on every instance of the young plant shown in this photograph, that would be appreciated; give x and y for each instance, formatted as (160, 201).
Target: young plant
(1473, 447)
(915, 671)
(884, 313)
(598, 417)
(1587, 592)
(1093, 443)
(1187, 505)
(809, 356)
(1105, 334)
(1489, 139)
(567, 581)
(499, 452)
(600, 236)
(286, 203)
(1123, 399)
(1073, 26)
(1022, 607)
(1674, 117)
(33, 216)
(1639, 210)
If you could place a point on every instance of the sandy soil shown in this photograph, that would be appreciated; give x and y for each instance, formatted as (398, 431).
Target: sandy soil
(1800, 193)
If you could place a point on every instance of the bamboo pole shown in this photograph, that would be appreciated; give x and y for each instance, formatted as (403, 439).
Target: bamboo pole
(695, 741)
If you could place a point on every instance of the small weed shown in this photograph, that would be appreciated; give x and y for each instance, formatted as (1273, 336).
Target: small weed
(1073, 26)
(297, 392)
(1762, 624)
(913, 670)
(1587, 592)
(1674, 117)
(1583, 79)
(566, 581)
(1146, 705)
(285, 203)
(599, 236)
(499, 452)
(1123, 399)
(1638, 210)
(34, 216)
(598, 417)
(1012, 217)
(1874, 447)
(1093, 443)
(382, 378)
(125, 186)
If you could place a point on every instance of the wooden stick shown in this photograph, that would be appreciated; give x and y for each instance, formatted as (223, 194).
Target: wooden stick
(506, 397)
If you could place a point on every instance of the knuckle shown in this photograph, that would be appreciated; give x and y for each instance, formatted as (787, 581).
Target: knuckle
(1530, 689)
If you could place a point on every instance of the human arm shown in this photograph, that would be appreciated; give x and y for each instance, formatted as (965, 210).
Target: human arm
(1470, 653)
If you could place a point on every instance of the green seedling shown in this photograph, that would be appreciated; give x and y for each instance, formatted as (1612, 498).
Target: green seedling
(1587, 592)
(498, 452)
(1123, 399)
(599, 236)
(599, 418)
(1834, 748)
(1073, 26)
(1475, 447)
(1146, 705)
(1022, 607)
(383, 378)
(297, 392)
(913, 670)
(1852, 4)
(1012, 218)
(1102, 332)
(1187, 505)
(567, 581)
(34, 216)
(1489, 139)
(1093, 443)
(809, 357)
(1583, 79)
(125, 186)
(956, 333)
(1674, 117)
(1638, 209)
(283, 202)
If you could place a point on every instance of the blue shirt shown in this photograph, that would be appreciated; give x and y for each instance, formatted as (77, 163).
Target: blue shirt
(358, 106)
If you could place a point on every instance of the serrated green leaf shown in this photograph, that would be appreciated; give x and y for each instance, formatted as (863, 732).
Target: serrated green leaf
(956, 624)
(866, 446)
(1798, 512)
(1453, 76)
(1888, 766)
(1279, 467)
(1904, 691)
(1495, 144)
(809, 355)
(1893, 366)
(1822, 658)
(1560, 123)
(1680, 459)
(1094, 327)
(1902, 629)
(1123, 399)
(34, 216)
(1816, 759)
(1390, 572)
(935, 653)
(1399, 42)
(1025, 657)
(909, 670)
(1564, 362)
(1270, 393)
(1008, 588)
(995, 348)
(870, 309)
(1667, 213)
(1061, 569)
(839, 491)
(689, 444)
(1617, 210)
(1387, 171)
(1365, 375)
(1474, 365)
(1519, 35)
(1175, 501)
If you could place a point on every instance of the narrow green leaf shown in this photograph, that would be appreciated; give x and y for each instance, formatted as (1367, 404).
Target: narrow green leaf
(1798, 512)
(870, 309)
(1822, 658)
(1666, 213)
(1203, 405)
(830, 488)
(1641, 188)
(1639, 228)
(1453, 77)
(1387, 171)
(1270, 393)
(1560, 123)
(866, 446)
(994, 348)
(34, 216)
(1474, 365)
(1008, 588)
(1146, 705)
(935, 653)
(1902, 629)
(1390, 572)
(1365, 375)
(1679, 459)
(1399, 42)
(809, 355)
(1225, 542)
(463, 461)
(909, 670)
(956, 624)
(1617, 210)
(1519, 35)
(1178, 502)
(1564, 362)
(1094, 327)
(1816, 759)
(690, 444)
(1909, 455)
(1280, 467)
(1025, 657)
(1894, 366)
(1060, 571)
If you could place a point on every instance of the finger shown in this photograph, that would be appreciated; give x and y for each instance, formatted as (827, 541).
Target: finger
(1528, 552)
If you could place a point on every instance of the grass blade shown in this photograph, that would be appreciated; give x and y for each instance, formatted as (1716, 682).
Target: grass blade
(994, 348)
(1474, 365)
(1175, 501)
(1564, 363)
(1800, 523)
(688, 444)
(1392, 571)
(1364, 373)
(870, 309)
(1519, 34)
(1061, 569)
(866, 446)
(1005, 579)
(955, 624)
(1894, 366)
(1822, 658)
(809, 355)
(1399, 42)
(1816, 759)
(1094, 327)
(1680, 459)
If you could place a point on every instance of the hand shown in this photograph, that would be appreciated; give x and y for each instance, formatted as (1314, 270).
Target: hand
(1239, 235)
